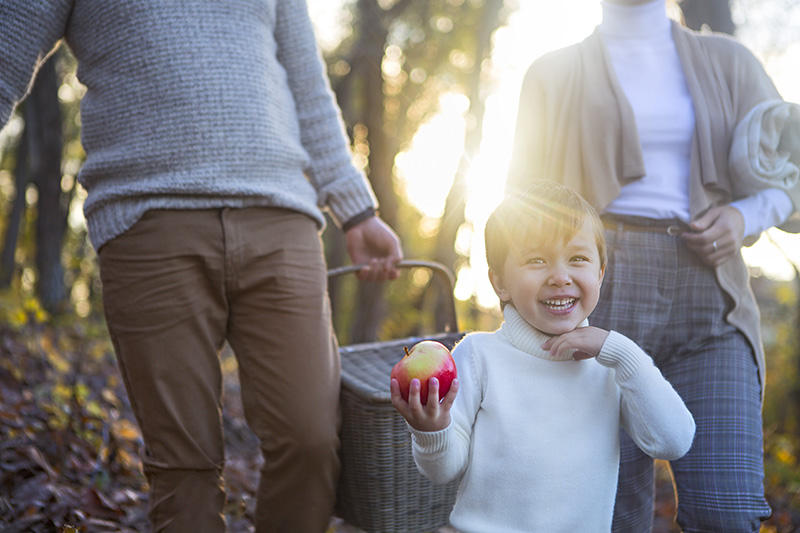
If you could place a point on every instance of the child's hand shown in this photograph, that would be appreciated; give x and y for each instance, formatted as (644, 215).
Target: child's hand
(586, 341)
(433, 416)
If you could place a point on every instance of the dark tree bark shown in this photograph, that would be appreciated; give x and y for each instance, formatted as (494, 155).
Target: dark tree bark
(715, 13)
(21, 179)
(43, 119)
(372, 35)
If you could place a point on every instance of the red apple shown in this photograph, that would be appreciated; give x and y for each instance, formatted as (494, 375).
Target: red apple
(425, 360)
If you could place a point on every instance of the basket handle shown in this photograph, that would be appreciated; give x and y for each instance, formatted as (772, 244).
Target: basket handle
(438, 269)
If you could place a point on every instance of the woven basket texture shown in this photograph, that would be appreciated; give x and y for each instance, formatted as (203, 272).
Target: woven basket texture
(380, 489)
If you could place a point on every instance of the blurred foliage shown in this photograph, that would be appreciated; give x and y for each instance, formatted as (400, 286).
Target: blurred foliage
(389, 73)
(780, 318)
(430, 48)
(80, 269)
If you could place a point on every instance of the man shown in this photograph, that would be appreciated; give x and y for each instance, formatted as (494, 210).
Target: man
(212, 142)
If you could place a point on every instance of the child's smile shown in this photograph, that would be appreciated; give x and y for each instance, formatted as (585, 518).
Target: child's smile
(560, 305)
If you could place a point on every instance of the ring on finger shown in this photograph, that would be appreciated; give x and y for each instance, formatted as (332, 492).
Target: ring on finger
(714, 245)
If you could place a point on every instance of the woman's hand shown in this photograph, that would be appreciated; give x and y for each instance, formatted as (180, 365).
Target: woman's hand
(716, 236)
(434, 416)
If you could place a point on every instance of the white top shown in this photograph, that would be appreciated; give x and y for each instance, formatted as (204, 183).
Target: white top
(646, 62)
(537, 440)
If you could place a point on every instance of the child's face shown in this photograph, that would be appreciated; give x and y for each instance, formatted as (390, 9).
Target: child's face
(553, 287)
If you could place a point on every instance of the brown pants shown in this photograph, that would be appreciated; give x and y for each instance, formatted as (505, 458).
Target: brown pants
(175, 287)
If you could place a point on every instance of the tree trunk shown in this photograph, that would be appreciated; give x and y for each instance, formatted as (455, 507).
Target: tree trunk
(374, 37)
(43, 118)
(455, 204)
(370, 306)
(21, 179)
(715, 13)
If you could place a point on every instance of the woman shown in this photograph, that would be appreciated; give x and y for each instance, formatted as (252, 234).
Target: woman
(640, 118)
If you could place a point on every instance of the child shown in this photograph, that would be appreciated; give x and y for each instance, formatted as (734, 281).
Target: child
(534, 429)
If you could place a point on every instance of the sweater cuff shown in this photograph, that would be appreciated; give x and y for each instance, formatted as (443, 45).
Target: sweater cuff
(429, 441)
(621, 354)
(350, 199)
(358, 219)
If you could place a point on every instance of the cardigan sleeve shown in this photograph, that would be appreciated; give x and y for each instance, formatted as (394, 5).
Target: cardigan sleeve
(339, 184)
(749, 82)
(765, 140)
(763, 210)
(442, 456)
(29, 31)
(651, 411)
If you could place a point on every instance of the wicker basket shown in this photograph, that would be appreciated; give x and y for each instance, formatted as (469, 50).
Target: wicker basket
(380, 489)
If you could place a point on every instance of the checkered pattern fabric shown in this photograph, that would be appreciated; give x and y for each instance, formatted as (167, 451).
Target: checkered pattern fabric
(658, 293)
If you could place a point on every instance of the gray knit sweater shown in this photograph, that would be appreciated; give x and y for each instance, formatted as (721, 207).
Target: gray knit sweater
(191, 104)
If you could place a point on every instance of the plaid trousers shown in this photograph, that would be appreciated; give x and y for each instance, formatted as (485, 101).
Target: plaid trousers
(658, 293)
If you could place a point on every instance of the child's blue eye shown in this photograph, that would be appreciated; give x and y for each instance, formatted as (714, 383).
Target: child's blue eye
(580, 258)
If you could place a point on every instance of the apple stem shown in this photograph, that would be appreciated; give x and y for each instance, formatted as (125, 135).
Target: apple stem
(406, 349)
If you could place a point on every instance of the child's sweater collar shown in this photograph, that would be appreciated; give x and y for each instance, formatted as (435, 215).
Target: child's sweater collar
(527, 338)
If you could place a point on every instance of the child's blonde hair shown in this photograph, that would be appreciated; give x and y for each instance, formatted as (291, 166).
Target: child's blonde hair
(545, 213)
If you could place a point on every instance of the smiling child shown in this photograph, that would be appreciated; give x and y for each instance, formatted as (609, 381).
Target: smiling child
(532, 423)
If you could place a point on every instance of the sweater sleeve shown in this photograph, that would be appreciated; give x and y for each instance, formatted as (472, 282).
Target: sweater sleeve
(29, 31)
(763, 210)
(339, 184)
(651, 411)
(442, 456)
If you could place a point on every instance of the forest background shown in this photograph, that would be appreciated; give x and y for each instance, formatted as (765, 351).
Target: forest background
(68, 443)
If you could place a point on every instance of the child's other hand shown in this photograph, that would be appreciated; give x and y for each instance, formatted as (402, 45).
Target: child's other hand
(435, 415)
(587, 342)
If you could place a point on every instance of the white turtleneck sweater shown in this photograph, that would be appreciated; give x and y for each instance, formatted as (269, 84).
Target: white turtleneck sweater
(649, 71)
(537, 440)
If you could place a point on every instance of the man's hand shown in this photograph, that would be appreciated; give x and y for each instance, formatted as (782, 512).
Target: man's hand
(373, 242)
(433, 416)
(587, 343)
(717, 235)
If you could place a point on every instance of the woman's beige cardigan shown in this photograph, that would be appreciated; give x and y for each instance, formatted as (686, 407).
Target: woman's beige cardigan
(576, 126)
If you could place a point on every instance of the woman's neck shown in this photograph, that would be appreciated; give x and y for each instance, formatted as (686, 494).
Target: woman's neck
(647, 20)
